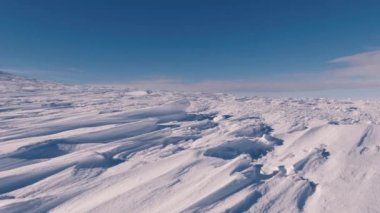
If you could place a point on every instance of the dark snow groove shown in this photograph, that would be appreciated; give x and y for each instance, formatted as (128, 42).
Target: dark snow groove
(367, 132)
(306, 194)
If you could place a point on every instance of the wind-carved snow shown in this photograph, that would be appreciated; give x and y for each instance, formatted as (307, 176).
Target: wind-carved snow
(112, 149)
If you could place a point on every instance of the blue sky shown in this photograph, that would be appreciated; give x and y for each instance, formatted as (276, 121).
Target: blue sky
(230, 45)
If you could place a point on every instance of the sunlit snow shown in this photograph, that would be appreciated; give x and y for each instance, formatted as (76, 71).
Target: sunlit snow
(67, 148)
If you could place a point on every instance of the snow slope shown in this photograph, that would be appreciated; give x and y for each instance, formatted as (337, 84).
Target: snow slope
(112, 149)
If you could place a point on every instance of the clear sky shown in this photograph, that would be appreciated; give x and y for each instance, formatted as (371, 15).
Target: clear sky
(215, 45)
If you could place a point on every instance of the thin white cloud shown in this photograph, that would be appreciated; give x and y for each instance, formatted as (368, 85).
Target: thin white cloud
(257, 86)
(365, 65)
(359, 71)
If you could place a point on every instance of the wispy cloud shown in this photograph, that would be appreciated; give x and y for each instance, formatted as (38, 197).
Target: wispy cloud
(359, 71)
(365, 65)
(356, 71)
(247, 86)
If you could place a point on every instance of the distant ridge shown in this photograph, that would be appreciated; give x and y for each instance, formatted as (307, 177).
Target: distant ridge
(10, 82)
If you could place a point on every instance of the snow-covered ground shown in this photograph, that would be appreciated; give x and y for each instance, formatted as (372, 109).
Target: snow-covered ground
(111, 149)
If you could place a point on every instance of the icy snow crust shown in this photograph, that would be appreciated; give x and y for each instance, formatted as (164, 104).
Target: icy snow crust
(111, 149)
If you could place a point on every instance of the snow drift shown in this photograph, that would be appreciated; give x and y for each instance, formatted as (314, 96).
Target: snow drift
(104, 149)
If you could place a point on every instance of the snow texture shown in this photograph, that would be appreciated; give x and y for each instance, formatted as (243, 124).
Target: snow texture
(70, 148)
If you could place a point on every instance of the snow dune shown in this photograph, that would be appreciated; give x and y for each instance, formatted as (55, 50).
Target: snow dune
(111, 149)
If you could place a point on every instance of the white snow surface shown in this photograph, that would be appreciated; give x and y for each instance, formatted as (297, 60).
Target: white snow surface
(113, 149)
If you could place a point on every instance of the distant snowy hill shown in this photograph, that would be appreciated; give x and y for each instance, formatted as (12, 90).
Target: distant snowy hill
(10, 83)
(112, 149)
